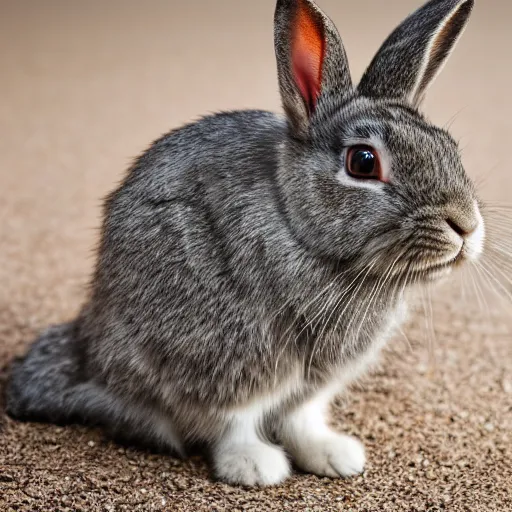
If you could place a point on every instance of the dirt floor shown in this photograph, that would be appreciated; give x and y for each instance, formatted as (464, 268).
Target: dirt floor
(84, 87)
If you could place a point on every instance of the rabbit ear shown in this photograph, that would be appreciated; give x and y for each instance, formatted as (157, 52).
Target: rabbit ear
(311, 60)
(415, 52)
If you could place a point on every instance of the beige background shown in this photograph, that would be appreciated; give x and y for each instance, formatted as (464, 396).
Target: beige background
(84, 87)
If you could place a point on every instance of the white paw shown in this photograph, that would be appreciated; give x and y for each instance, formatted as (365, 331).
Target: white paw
(331, 455)
(251, 464)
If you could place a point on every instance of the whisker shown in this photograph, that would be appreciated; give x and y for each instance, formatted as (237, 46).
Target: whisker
(463, 292)
(299, 313)
(478, 282)
(431, 325)
(375, 292)
(320, 337)
(452, 119)
(498, 269)
(345, 292)
(476, 289)
(503, 246)
(402, 284)
(481, 180)
(497, 227)
(500, 260)
(496, 281)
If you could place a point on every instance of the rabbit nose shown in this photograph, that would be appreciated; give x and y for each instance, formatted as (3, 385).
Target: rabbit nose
(461, 228)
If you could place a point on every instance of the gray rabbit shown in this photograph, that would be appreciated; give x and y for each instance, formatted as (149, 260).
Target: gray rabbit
(252, 265)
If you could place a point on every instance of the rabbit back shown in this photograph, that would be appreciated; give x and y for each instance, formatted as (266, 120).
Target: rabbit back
(194, 259)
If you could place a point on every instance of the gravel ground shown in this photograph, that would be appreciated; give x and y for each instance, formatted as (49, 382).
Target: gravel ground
(85, 86)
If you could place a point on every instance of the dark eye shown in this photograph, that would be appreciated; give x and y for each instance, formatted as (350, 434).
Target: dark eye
(363, 162)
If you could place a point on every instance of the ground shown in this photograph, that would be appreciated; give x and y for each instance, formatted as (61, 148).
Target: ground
(85, 87)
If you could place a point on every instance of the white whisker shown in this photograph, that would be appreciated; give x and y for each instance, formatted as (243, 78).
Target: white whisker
(375, 292)
(493, 278)
(320, 338)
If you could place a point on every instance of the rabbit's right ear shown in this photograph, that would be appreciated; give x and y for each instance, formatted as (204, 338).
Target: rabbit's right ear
(311, 60)
(415, 52)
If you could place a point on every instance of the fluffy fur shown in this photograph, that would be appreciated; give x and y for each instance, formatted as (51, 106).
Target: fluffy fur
(244, 278)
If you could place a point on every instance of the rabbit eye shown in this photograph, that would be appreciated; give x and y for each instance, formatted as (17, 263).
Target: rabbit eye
(363, 162)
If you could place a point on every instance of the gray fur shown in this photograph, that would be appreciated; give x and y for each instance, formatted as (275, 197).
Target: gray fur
(214, 246)
(413, 54)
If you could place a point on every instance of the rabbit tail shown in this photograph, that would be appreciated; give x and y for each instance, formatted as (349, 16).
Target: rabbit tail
(42, 383)
(49, 385)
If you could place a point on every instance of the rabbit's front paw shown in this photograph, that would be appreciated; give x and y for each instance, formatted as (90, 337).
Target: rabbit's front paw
(331, 455)
(251, 464)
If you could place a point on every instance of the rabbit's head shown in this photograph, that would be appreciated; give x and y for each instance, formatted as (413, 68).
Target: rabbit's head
(366, 179)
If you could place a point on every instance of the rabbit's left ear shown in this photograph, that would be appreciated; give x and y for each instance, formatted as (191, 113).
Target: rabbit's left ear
(415, 52)
(311, 60)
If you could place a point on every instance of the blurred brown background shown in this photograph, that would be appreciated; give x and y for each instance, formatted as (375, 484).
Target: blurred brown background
(85, 87)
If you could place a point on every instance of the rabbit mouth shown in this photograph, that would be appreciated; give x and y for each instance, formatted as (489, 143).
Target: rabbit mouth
(440, 270)
(437, 272)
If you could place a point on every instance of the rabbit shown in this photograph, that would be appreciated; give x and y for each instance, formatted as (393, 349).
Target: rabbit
(252, 265)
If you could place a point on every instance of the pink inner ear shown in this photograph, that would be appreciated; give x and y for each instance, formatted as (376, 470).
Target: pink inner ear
(308, 50)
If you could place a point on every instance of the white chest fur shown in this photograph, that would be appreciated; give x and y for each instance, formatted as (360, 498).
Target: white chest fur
(342, 376)
(243, 454)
